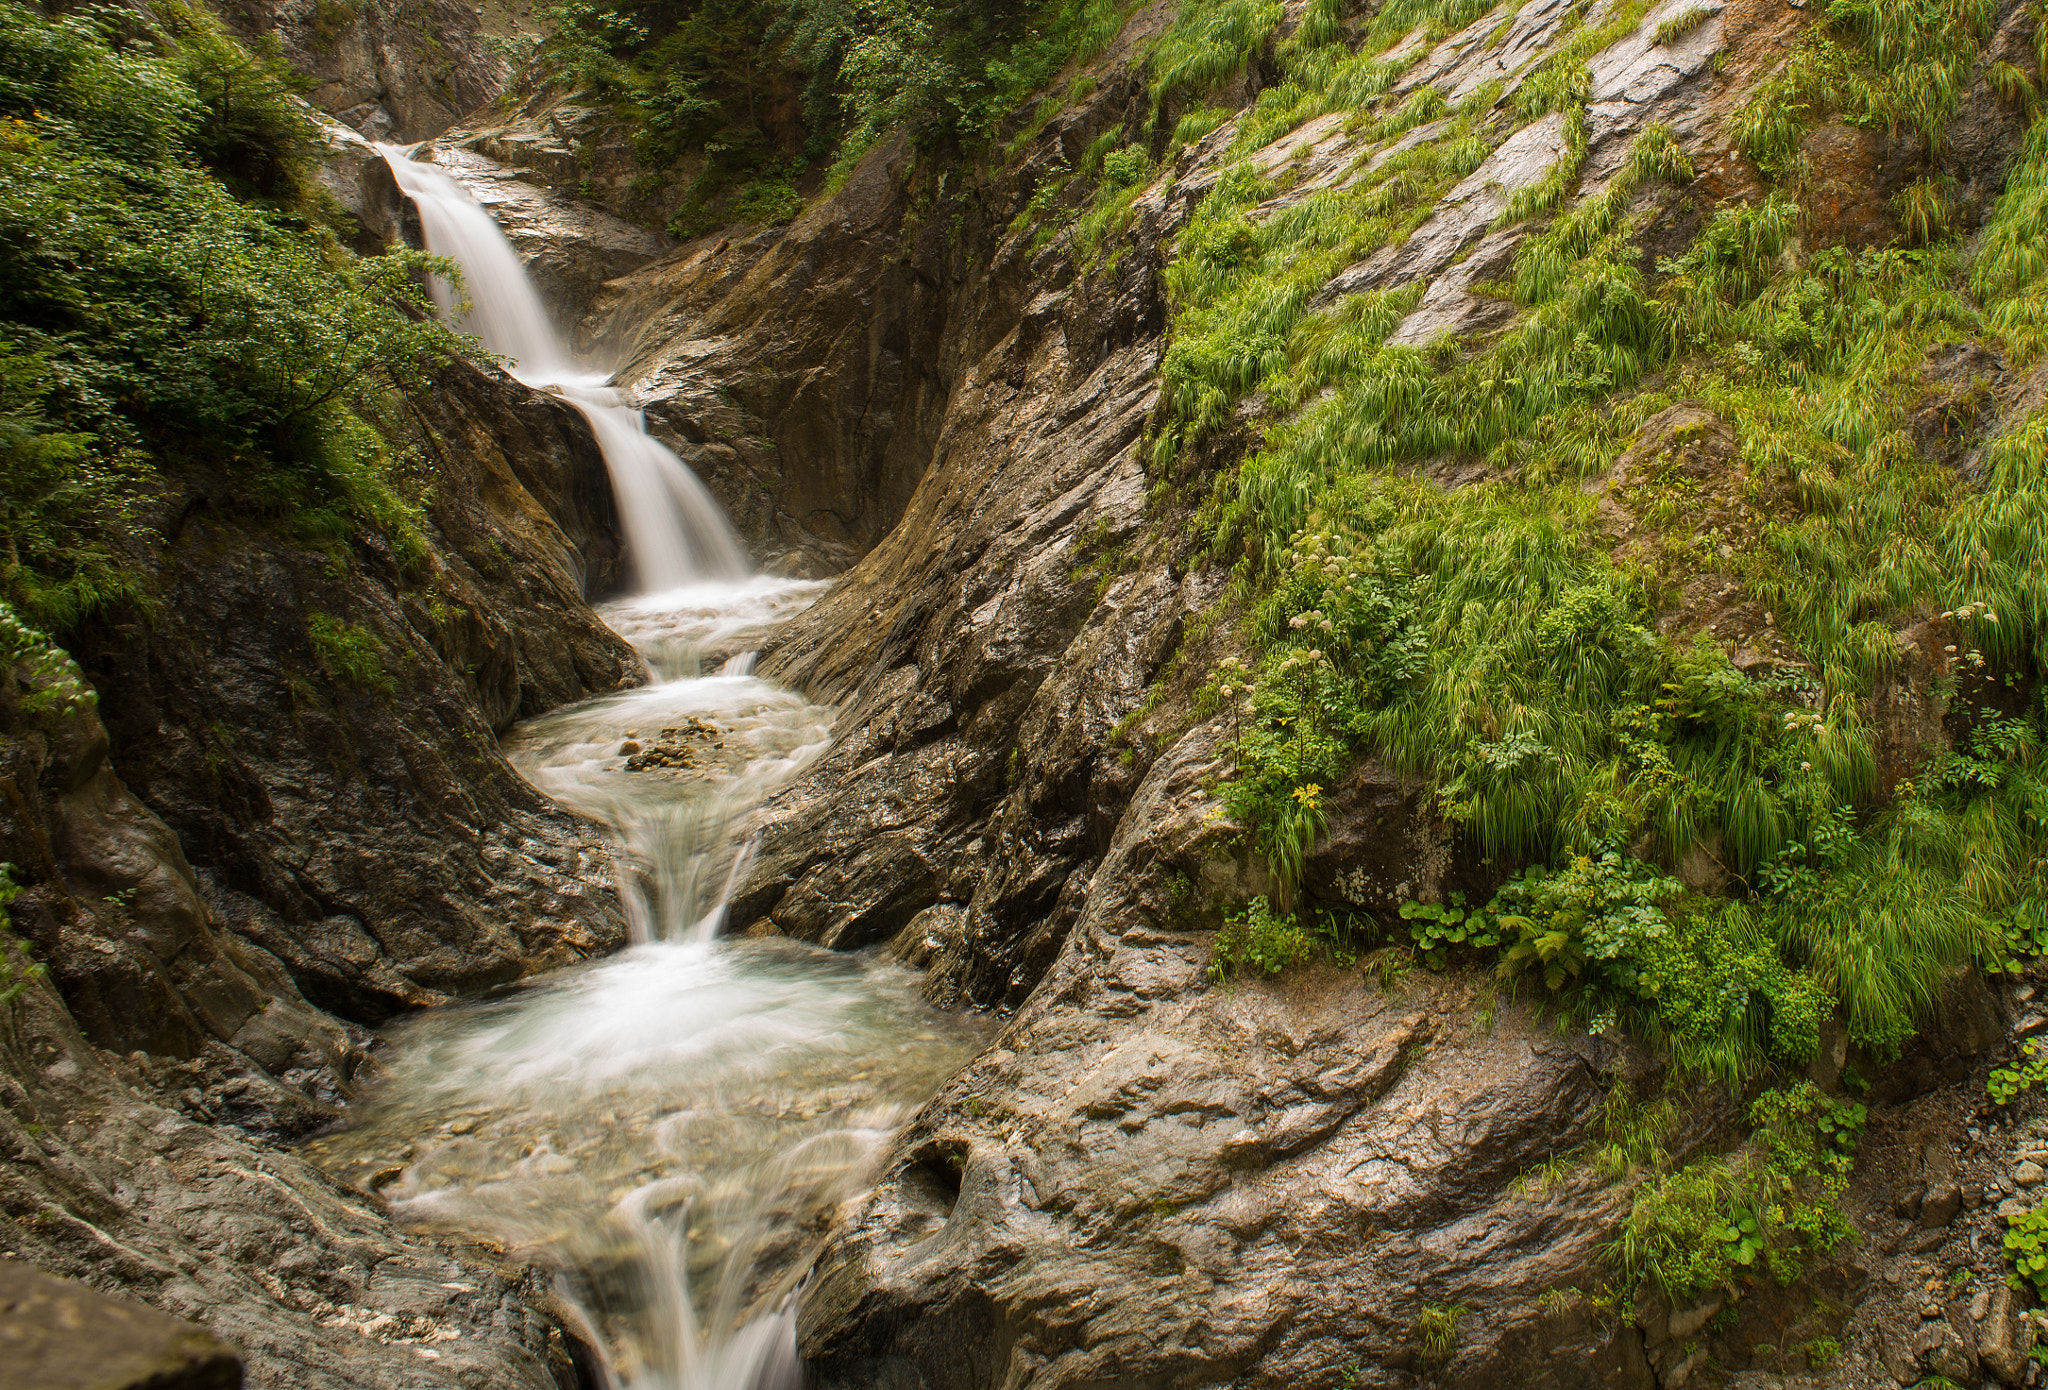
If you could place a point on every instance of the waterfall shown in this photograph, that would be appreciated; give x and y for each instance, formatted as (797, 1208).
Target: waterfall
(669, 1127)
(676, 532)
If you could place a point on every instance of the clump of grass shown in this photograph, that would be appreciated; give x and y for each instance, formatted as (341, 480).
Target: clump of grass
(1491, 640)
(1871, 63)
(349, 652)
(1681, 24)
(1208, 41)
(1436, 1331)
(1925, 209)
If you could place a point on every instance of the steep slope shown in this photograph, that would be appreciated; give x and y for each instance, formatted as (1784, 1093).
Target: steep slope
(1148, 1178)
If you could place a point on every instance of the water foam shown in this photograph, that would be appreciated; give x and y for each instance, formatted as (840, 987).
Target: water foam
(676, 533)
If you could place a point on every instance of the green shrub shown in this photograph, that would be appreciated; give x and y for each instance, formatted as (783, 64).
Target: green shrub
(1615, 940)
(1126, 167)
(2026, 1247)
(710, 80)
(768, 203)
(148, 313)
(61, 685)
(1771, 1205)
(1256, 937)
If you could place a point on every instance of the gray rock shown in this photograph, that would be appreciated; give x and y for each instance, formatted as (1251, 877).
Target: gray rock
(1940, 1206)
(1199, 1162)
(390, 73)
(2004, 1339)
(2028, 1173)
(1684, 1323)
(57, 1335)
(1944, 1351)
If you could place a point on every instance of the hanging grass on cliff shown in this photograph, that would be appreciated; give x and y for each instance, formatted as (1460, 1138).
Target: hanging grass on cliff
(170, 299)
(1549, 647)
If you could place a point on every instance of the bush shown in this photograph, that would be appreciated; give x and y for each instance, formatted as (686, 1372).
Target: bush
(1771, 1205)
(148, 314)
(1256, 937)
(1614, 940)
(2026, 1246)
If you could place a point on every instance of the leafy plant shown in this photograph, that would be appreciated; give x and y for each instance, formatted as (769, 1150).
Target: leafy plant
(2026, 1248)
(1589, 919)
(55, 680)
(1255, 937)
(2007, 1084)
(1440, 928)
(1770, 1205)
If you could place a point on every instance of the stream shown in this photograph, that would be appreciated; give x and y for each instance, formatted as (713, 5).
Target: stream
(666, 1129)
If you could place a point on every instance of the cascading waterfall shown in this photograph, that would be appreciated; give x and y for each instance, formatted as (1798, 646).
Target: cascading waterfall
(666, 1127)
(677, 533)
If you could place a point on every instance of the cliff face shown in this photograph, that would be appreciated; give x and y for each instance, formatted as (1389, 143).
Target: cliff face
(285, 819)
(400, 72)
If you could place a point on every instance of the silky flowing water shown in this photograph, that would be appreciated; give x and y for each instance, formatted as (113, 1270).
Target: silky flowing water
(665, 1129)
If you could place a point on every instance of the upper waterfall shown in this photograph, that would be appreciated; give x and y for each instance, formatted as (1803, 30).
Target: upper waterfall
(676, 532)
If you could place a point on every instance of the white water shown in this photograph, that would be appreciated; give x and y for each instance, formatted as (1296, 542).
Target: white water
(679, 850)
(665, 1129)
(675, 532)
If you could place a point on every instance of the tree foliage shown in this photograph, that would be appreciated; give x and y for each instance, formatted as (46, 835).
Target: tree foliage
(169, 297)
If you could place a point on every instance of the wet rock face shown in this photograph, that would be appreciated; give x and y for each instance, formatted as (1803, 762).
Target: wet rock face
(398, 72)
(105, 1181)
(364, 830)
(1148, 1179)
(799, 371)
(290, 789)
